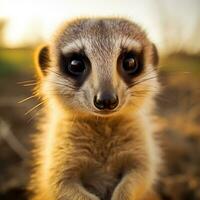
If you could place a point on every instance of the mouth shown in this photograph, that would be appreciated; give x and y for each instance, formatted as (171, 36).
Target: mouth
(105, 113)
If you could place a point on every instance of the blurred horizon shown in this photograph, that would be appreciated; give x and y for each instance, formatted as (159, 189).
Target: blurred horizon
(173, 25)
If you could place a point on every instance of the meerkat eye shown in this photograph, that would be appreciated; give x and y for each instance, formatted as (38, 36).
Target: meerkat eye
(76, 66)
(130, 64)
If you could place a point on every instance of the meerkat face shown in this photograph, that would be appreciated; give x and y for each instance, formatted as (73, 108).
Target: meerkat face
(99, 66)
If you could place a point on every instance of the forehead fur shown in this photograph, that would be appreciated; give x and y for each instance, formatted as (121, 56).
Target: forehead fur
(102, 33)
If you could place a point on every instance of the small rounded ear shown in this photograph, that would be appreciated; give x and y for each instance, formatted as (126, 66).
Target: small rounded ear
(155, 57)
(42, 60)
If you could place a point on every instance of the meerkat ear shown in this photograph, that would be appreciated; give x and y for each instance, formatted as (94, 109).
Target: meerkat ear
(42, 60)
(155, 57)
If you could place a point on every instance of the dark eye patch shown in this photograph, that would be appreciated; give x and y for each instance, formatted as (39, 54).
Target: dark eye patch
(75, 66)
(130, 64)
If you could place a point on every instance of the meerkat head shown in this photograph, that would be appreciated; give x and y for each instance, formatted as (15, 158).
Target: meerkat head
(99, 66)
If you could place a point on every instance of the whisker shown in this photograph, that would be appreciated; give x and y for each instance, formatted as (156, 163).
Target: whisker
(58, 83)
(143, 77)
(24, 82)
(140, 93)
(143, 90)
(59, 74)
(61, 84)
(26, 99)
(39, 104)
(52, 92)
(29, 84)
(35, 115)
(142, 81)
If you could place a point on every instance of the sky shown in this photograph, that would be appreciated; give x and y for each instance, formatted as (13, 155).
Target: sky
(172, 25)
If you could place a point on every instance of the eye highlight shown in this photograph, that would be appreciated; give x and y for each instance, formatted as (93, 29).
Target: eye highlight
(76, 66)
(130, 64)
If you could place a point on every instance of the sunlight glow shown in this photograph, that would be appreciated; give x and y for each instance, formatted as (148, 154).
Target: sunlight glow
(31, 21)
(27, 18)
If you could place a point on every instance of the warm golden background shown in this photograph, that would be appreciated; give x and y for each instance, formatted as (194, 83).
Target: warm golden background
(175, 28)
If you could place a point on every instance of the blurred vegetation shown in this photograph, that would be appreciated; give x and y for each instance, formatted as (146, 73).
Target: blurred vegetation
(15, 61)
(181, 62)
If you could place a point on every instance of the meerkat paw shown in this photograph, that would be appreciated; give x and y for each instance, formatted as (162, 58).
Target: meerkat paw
(121, 194)
(92, 197)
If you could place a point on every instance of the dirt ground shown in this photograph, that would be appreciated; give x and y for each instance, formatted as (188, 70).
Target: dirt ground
(178, 116)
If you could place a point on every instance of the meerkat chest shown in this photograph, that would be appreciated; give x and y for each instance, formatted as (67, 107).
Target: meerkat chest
(103, 145)
(104, 154)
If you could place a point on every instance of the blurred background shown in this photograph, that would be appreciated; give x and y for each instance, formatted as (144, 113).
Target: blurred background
(174, 26)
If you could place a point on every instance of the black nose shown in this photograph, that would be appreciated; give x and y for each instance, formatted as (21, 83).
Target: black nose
(106, 100)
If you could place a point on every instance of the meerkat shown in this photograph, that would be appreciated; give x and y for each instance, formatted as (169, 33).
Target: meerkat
(98, 80)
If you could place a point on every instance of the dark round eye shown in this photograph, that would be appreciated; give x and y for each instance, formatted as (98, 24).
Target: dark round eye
(76, 66)
(130, 64)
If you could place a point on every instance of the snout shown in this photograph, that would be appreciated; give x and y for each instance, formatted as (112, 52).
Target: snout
(106, 101)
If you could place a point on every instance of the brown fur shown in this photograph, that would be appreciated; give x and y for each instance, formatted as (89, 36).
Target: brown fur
(81, 155)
